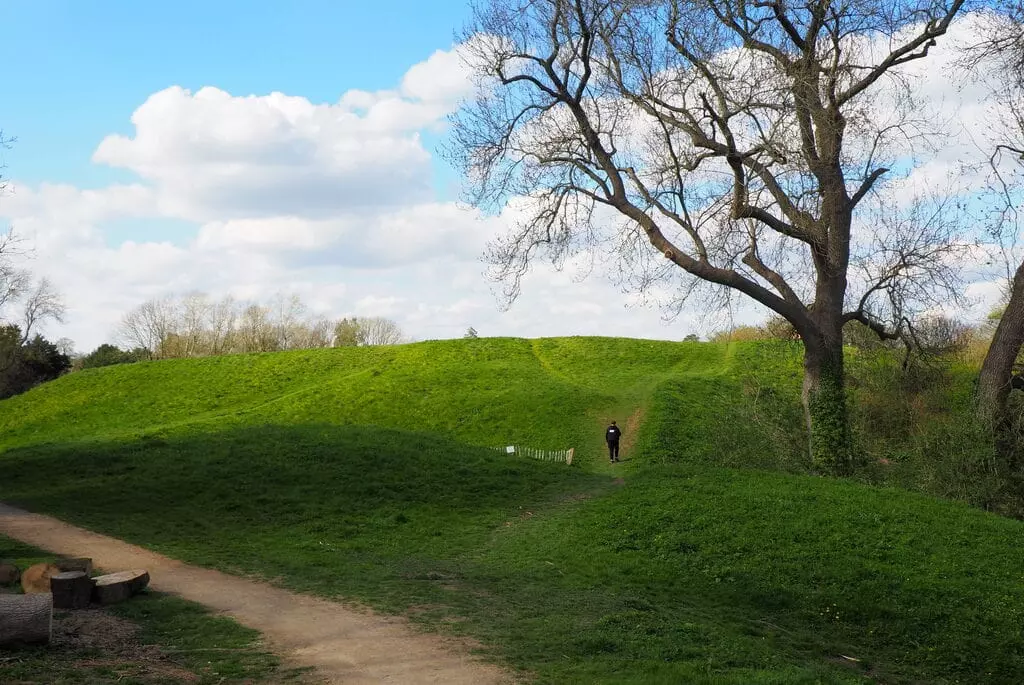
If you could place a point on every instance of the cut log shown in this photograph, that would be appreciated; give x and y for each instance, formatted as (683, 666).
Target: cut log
(117, 587)
(9, 573)
(26, 618)
(71, 590)
(36, 579)
(83, 564)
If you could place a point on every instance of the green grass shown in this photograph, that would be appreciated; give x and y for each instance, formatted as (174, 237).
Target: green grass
(214, 649)
(549, 394)
(354, 474)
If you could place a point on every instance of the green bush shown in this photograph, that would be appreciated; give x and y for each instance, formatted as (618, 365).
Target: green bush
(109, 355)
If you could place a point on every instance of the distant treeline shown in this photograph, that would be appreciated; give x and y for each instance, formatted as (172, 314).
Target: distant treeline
(194, 325)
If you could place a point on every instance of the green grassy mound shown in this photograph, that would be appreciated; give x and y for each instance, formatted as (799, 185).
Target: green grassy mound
(548, 394)
(680, 570)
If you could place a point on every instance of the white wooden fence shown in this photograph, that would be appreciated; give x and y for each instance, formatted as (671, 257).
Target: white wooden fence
(564, 456)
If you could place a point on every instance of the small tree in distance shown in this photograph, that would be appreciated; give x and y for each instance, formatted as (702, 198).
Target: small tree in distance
(377, 330)
(374, 330)
(347, 333)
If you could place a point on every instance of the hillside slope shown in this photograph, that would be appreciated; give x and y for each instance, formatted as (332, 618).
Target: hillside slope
(550, 393)
(364, 474)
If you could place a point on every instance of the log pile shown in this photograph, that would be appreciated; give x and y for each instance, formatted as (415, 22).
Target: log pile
(65, 584)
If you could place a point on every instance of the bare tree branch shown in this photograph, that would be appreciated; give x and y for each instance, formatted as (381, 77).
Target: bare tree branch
(42, 303)
(734, 139)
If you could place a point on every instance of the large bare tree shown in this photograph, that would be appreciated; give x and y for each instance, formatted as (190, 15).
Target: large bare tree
(735, 141)
(999, 57)
(15, 281)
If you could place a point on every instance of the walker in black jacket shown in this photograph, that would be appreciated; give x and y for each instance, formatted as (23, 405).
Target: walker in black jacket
(611, 436)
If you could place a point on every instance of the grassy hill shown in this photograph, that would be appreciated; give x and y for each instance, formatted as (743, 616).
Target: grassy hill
(549, 394)
(707, 556)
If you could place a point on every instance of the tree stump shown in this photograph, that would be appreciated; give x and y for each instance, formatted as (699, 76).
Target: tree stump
(117, 587)
(9, 573)
(83, 564)
(71, 590)
(26, 618)
(36, 579)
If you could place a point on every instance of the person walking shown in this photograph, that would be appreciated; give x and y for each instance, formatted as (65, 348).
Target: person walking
(611, 436)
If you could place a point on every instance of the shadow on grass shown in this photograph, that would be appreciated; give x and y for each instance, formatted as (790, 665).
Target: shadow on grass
(334, 483)
(684, 574)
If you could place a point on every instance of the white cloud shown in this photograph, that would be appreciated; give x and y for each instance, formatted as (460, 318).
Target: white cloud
(214, 156)
(60, 202)
(371, 305)
(392, 237)
(56, 215)
(442, 78)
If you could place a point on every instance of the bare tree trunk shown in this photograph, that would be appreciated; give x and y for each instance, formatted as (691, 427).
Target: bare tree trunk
(824, 400)
(994, 380)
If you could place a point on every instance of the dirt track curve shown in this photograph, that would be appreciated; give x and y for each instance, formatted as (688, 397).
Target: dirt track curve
(342, 644)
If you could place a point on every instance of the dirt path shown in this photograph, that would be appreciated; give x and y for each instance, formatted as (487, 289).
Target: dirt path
(632, 428)
(342, 644)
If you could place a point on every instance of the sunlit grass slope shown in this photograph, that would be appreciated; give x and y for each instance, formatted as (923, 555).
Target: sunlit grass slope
(549, 394)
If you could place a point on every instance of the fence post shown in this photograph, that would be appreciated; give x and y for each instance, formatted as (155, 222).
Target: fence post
(568, 457)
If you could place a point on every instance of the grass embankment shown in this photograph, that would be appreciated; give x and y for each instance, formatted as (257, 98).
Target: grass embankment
(687, 571)
(548, 394)
(158, 639)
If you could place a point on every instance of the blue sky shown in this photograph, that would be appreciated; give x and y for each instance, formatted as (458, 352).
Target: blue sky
(76, 70)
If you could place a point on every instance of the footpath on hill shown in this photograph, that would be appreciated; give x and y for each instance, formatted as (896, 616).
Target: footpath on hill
(341, 644)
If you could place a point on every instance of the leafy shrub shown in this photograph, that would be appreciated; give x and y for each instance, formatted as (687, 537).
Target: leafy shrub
(109, 355)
